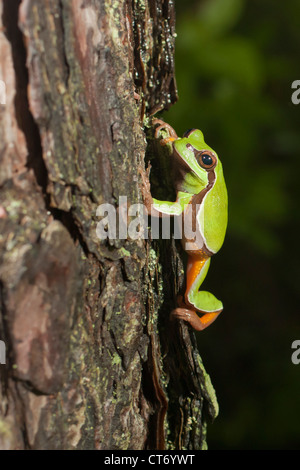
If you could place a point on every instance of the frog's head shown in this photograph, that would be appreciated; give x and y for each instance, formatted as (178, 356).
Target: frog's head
(197, 160)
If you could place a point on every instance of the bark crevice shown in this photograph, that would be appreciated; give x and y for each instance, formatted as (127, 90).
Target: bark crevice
(24, 116)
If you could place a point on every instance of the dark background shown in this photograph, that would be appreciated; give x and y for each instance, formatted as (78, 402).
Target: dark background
(235, 64)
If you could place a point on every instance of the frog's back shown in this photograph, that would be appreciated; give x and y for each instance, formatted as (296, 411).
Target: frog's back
(214, 213)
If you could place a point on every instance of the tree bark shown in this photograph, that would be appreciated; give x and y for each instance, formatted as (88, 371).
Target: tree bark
(92, 361)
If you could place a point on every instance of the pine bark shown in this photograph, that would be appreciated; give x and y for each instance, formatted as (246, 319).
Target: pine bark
(92, 361)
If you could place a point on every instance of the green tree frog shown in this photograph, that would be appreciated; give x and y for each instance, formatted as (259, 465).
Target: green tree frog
(201, 207)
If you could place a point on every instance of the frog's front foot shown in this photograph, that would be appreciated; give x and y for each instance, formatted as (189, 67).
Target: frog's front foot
(163, 125)
(191, 317)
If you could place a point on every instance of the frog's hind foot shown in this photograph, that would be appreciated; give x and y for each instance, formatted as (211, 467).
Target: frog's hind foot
(191, 317)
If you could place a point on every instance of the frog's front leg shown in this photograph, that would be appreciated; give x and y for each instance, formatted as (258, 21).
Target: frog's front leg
(195, 300)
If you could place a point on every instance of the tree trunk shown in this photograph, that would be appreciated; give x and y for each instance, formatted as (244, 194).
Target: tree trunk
(92, 361)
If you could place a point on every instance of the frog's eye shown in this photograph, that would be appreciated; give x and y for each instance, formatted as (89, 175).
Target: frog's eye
(206, 160)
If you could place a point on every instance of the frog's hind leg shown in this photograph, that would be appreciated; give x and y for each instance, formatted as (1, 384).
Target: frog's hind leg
(195, 300)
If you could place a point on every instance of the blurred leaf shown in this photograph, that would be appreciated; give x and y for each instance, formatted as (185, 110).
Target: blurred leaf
(218, 16)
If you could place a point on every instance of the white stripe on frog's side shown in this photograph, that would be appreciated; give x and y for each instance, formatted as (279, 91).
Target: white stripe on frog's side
(201, 216)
